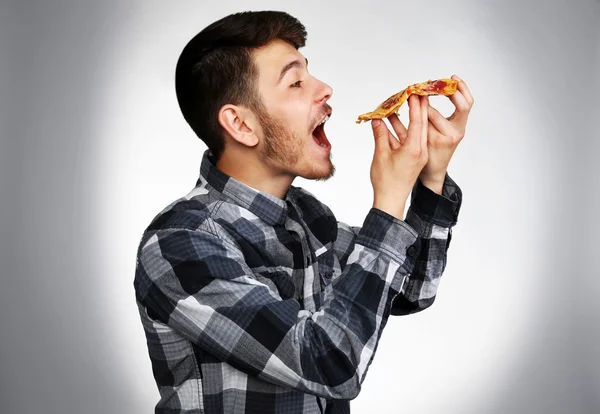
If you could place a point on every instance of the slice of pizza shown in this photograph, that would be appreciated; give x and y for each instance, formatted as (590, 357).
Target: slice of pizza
(443, 86)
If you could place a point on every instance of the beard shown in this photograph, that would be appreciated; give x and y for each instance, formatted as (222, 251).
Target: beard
(285, 148)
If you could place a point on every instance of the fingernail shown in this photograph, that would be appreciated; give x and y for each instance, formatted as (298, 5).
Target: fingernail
(376, 122)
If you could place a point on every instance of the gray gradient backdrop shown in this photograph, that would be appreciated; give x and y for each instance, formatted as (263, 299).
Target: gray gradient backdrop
(93, 146)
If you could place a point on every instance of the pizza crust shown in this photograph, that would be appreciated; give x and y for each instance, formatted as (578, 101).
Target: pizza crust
(442, 86)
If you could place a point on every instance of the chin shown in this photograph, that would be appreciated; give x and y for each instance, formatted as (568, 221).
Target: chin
(320, 173)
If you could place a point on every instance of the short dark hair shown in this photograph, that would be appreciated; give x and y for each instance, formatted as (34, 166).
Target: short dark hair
(216, 68)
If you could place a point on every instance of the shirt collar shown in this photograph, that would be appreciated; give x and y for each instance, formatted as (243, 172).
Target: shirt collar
(267, 207)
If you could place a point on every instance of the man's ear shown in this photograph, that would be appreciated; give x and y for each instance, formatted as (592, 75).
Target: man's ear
(240, 123)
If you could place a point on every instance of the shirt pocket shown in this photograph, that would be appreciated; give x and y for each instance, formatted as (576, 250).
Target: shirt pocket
(326, 267)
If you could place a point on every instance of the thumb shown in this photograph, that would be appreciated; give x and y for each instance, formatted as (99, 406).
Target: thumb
(380, 133)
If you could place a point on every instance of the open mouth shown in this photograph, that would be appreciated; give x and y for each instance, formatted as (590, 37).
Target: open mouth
(319, 134)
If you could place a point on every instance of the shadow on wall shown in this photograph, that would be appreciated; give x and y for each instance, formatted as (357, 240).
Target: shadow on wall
(56, 346)
(553, 371)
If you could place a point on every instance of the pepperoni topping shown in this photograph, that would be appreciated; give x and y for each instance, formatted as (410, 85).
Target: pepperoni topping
(391, 101)
(438, 85)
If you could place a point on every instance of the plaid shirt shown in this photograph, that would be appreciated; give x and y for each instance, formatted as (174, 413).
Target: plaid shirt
(251, 303)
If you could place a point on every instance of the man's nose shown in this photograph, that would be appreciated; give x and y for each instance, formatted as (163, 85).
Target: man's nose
(324, 93)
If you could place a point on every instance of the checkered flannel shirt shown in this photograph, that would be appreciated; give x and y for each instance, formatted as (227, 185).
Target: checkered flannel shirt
(256, 304)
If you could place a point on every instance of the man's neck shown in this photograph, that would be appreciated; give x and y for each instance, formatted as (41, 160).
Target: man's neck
(249, 170)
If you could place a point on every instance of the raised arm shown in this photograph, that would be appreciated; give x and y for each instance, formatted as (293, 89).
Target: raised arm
(432, 216)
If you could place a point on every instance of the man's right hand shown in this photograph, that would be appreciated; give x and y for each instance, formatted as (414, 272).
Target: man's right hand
(397, 162)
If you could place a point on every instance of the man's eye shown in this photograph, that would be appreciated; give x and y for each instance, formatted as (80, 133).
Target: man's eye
(295, 84)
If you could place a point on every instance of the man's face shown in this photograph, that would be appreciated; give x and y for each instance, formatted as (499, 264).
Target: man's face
(293, 105)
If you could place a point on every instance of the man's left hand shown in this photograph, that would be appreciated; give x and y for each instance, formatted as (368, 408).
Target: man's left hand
(444, 135)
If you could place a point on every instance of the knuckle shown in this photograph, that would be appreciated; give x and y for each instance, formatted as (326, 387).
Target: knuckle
(415, 152)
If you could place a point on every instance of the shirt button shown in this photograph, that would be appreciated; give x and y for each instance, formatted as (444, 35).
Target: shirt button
(411, 251)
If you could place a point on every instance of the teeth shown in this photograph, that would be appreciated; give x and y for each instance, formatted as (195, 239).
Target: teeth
(324, 120)
(321, 123)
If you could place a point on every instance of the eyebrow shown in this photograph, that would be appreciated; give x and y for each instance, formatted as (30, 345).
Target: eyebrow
(295, 63)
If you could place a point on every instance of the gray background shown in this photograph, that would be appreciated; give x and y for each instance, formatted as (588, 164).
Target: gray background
(93, 146)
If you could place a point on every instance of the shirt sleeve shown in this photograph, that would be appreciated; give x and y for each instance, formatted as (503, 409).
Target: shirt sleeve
(432, 216)
(197, 282)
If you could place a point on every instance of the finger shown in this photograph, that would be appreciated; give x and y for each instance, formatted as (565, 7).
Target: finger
(464, 89)
(462, 107)
(432, 131)
(394, 142)
(399, 127)
(434, 136)
(380, 133)
(415, 123)
(439, 122)
(425, 123)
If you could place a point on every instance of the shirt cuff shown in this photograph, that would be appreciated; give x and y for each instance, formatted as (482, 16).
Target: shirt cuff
(439, 209)
(384, 232)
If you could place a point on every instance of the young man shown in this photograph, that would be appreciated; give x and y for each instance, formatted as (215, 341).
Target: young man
(252, 296)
